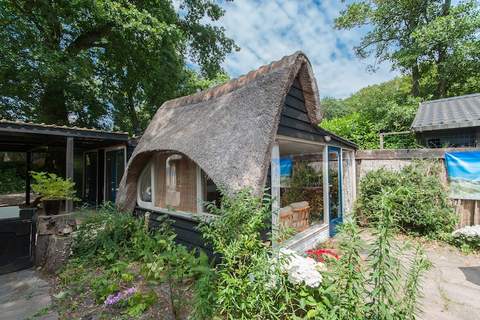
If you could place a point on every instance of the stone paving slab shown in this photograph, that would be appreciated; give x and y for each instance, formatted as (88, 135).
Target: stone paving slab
(25, 295)
(452, 286)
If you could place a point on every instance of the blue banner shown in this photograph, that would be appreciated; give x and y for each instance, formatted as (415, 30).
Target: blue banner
(463, 170)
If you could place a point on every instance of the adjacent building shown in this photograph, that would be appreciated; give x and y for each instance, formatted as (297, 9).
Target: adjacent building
(450, 122)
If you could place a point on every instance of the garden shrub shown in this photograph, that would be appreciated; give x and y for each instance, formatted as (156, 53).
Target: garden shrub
(416, 196)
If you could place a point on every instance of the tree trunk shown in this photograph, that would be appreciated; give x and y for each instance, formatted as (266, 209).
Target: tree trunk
(53, 109)
(133, 115)
(415, 81)
(442, 58)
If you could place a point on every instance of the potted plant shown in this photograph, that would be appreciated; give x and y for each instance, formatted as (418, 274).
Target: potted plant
(52, 190)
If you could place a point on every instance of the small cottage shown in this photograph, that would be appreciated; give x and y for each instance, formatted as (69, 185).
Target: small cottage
(258, 131)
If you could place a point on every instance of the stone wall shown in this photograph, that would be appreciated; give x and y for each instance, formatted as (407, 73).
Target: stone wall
(54, 240)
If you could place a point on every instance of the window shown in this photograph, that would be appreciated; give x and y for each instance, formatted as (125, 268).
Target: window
(175, 183)
(145, 194)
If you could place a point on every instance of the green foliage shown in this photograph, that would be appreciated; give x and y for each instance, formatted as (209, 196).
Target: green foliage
(355, 128)
(385, 107)
(420, 38)
(415, 195)
(109, 236)
(84, 62)
(52, 187)
(378, 288)
(11, 181)
(350, 278)
(247, 283)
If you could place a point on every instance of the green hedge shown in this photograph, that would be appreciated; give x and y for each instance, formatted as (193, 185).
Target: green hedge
(416, 196)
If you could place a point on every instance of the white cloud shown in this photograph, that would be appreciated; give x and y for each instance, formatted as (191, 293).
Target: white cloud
(268, 30)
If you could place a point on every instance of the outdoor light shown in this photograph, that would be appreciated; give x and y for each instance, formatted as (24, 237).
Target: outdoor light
(328, 138)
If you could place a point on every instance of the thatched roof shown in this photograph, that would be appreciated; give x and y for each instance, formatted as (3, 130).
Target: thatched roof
(227, 130)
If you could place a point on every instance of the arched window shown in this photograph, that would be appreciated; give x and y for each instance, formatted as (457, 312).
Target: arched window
(173, 182)
(145, 190)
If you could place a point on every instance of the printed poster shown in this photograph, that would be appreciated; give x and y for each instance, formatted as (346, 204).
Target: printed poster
(463, 169)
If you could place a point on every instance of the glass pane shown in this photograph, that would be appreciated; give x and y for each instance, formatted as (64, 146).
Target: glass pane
(333, 184)
(175, 182)
(90, 186)
(146, 185)
(301, 187)
(211, 194)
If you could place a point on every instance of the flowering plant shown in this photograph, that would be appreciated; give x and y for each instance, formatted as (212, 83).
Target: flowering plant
(319, 254)
(301, 269)
(468, 236)
(119, 296)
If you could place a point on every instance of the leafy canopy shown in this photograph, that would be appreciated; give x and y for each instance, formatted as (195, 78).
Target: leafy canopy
(91, 63)
(420, 38)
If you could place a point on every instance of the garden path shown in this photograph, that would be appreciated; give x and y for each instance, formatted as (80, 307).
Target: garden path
(25, 295)
(452, 286)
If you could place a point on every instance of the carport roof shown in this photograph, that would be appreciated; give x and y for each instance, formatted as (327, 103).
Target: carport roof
(25, 136)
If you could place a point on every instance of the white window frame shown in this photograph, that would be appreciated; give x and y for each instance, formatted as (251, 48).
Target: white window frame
(151, 205)
(141, 203)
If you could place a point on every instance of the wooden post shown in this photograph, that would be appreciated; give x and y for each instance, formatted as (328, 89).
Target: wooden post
(199, 189)
(275, 176)
(27, 177)
(69, 170)
(382, 135)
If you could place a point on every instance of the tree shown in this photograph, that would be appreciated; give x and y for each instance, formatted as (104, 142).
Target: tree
(80, 62)
(419, 36)
(384, 107)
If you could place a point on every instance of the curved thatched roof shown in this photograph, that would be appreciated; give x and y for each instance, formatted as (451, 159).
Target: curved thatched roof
(227, 130)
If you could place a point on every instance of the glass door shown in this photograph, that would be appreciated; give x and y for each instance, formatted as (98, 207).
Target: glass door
(114, 167)
(335, 188)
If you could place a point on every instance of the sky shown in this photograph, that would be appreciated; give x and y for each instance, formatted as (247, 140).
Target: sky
(268, 30)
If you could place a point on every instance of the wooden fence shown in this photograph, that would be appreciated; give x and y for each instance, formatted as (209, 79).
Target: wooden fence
(368, 160)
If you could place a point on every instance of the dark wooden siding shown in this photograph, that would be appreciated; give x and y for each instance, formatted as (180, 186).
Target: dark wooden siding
(294, 121)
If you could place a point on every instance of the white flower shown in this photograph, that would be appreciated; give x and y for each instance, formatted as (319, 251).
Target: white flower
(301, 269)
(468, 231)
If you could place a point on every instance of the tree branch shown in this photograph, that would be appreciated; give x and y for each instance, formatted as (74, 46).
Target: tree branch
(88, 39)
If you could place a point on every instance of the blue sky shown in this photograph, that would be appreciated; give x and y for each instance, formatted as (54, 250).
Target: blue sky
(268, 30)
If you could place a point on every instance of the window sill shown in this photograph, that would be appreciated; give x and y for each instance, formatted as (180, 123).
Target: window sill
(198, 217)
(308, 238)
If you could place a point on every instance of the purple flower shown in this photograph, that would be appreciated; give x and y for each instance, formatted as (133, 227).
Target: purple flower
(116, 297)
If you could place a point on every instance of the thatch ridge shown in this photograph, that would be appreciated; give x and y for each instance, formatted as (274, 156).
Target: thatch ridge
(227, 130)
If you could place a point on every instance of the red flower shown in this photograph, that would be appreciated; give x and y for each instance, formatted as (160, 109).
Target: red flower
(319, 253)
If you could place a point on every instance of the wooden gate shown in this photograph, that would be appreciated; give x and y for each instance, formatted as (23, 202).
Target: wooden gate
(17, 239)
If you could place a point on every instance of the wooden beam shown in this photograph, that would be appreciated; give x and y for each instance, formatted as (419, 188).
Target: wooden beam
(69, 170)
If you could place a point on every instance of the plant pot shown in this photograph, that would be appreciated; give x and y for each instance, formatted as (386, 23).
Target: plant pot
(51, 207)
